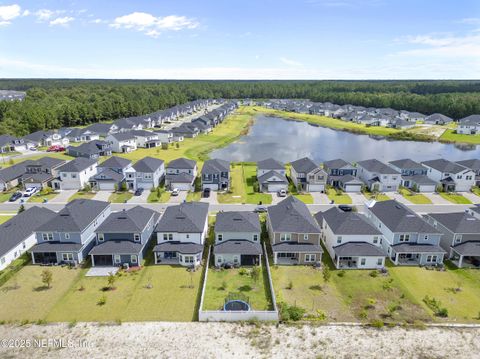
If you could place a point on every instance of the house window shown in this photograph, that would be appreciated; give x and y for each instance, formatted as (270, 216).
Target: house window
(458, 238)
(67, 235)
(255, 237)
(188, 259)
(379, 261)
(64, 175)
(116, 259)
(74, 175)
(459, 176)
(136, 237)
(101, 237)
(404, 237)
(23, 245)
(305, 237)
(133, 258)
(67, 257)
(309, 258)
(47, 236)
(375, 240)
(220, 237)
(165, 237)
(425, 237)
(284, 237)
(236, 259)
(2, 260)
(219, 259)
(187, 236)
(339, 239)
(431, 259)
(363, 261)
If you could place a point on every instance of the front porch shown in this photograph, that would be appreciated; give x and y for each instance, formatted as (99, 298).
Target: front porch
(466, 255)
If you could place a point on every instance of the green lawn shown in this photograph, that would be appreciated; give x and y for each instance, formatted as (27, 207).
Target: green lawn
(120, 197)
(257, 292)
(416, 198)
(338, 198)
(250, 176)
(153, 197)
(450, 136)
(39, 197)
(455, 198)
(24, 297)
(237, 192)
(82, 195)
(376, 196)
(194, 196)
(462, 305)
(172, 297)
(304, 197)
(5, 195)
(4, 218)
(476, 190)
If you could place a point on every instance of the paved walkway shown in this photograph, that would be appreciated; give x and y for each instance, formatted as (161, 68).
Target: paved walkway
(436, 198)
(357, 198)
(398, 197)
(102, 195)
(212, 199)
(320, 198)
(276, 198)
(471, 196)
(182, 196)
(101, 271)
(63, 196)
(143, 198)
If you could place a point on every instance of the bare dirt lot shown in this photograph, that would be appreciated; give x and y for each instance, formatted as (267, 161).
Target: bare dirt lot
(222, 340)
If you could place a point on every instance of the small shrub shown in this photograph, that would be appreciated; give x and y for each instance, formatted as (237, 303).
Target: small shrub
(255, 273)
(242, 271)
(363, 314)
(387, 285)
(72, 323)
(436, 307)
(47, 277)
(373, 274)
(377, 323)
(223, 286)
(290, 285)
(102, 300)
(342, 273)
(291, 313)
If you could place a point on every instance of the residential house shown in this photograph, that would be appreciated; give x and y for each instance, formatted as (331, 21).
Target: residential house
(82, 135)
(45, 138)
(308, 176)
(437, 119)
(164, 136)
(451, 176)
(70, 235)
(216, 174)
(414, 175)
(181, 234)
(351, 241)
(461, 236)
(474, 211)
(93, 149)
(237, 239)
(18, 233)
(123, 237)
(9, 144)
(110, 174)
(186, 131)
(75, 174)
(408, 239)
(378, 176)
(122, 142)
(469, 125)
(271, 176)
(342, 175)
(146, 173)
(294, 233)
(474, 165)
(11, 176)
(146, 139)
(42, 172)
(102, 129)
(181, 174)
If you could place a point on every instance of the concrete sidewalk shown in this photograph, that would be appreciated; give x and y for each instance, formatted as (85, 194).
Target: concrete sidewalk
(102, 195)
(436, 198)
(471, 196)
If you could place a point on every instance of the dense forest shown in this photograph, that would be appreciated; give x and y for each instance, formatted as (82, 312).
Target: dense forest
(57, 103)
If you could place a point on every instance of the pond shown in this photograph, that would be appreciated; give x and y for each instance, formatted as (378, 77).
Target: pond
(288, 140)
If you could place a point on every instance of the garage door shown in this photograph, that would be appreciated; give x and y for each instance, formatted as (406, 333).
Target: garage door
(316, 188)
(353, 188)
(181, 186)
(213, 187)
(106, 186)
(275, 187)
(427, 188)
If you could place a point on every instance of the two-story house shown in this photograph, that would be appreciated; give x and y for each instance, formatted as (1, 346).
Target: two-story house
(307, 175)
(75, 174)
(45, 138)
(294, 233)
(216, 174)
(42, 172)
(123, 237)
(82, 135)
(271, 176)
(450, 175)
(237, 239)
(181, 174)
(147, 173)
(110, 174)
(351, 241)
(414, 175)
(70, 235)
(122, 142)
(342, 175)
(9, 144)
(146, 139)
(407, 238)
(469, 125)
(461, 236)
(474, 165)
(378, 176)
(181, 234)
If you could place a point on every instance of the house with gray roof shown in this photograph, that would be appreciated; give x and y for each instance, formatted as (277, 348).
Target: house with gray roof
(93, 149)
(216, 174)
(408, 239)
(41, 173)
(378, 176)
(181, 234)
(10, 177)
(147, 173)
(75, 174)
(469, 125)
(9, 144)
(474, 211)
(70, 235)
(307, 175)
(237, 239)
(414, 175)
(82, 135)
(102, 129)
(342, 175)
(437, 119)
(122, 142)
(146, 139)
(110, 174)
(452, 176)
(123, 237)
(181, 174)
(17, 235)
(351, 240)
(271, 176)
(294, 233)
(474, 165)
(461, 236)
(45, 138)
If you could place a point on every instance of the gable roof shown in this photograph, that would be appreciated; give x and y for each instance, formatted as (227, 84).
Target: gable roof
(10, 173)
(374, 165)
(438, 117)
(77, 164)
(76, 216)
(123, 136)
(270, 164)
(459, 222)
(115, 162)
(215, 166)
(353, 249)
(406, 163)
(90, 148)
(444, 165)
(348, 223)
(127, 221)
(473, 164)
(148, 165)
(109, 175)
(238, 221)
(292, 215)
(187, 217)
(472, 120)
(304, 165)
(337, 163)
(266, 177)
(181, 163)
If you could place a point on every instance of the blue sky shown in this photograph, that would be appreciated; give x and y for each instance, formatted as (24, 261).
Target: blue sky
(246, 39)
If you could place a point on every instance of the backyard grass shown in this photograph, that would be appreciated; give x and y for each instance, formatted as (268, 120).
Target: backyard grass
(236, 282)
(153, 197)
(160, 293)
(457, 290)
(120, 197)
(416, 198)
(237, 192)
(338, 197)
(193, 196)
(39, 197)
(250, 177)
(24, 296)
(450, 136)
(82, 195)
(455, 198)
(4, 218)
(376, 196)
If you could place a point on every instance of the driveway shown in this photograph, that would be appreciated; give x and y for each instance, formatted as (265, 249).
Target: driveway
(276, 198)
(63, 196)
(319, 198)
(397, 196)
(102, 196)
(143, 198)
(212, 199)
(357, 198)
(436, 198)
(471, 196)
(182, 196)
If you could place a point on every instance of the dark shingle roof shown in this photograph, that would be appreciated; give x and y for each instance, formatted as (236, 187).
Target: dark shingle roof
(304, 165)
(215, 166)
(417, 248)
(181, 247)
(56, 247)
(115, 162)
(473, 164)
(374, 165)
(187, 217)
(353, 249)
(348, 223)
(471, 248)
(337, 163)
(266, 177)
(296, 247)
(444, 165)
(459, 222)
(181, 177)
(109, 175)
(148, 165)
(292, 215)
(270, 164)
(235, 246)
(76, 165)
(237, 222)
(181, 163)
(406, 163)
(133, 220)
(116, 247)
(123, 136)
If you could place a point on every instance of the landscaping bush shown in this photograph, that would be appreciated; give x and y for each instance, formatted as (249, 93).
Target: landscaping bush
(436, 306)
(342, 273)
(290, 313)
(326, 274)
(373, 274)
(290, 285)
(242, 271)
(377, 323)
(102, 300)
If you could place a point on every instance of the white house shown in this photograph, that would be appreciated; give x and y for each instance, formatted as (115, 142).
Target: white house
(378, 176)
(469, 125)
(75, 174)
(451, 175)
(122, 142)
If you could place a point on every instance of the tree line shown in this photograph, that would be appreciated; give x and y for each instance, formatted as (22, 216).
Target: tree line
(61, 103)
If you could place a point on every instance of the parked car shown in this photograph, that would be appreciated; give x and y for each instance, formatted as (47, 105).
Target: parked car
(206, 193)
(32, 149)
(260, 209)
(29, 191)
(139, 192)
(345, 208)
(15, 196)
(282, 193)
(175, 192)
(56, 148)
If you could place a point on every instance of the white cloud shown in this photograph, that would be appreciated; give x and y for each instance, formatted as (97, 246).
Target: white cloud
(151, 25)
(97, 21)
(470, 21)
(290, 62)
(44, 14)
(8, 13)
(61, 21)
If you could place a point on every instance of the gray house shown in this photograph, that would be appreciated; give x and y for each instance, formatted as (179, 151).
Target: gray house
(342, 175)
(294, 233)
(181, 174)
(146, 173)
(271, 176)
(378, 176)
(308, 175)
(414, 175)
(93, 149)
(237, 239)
(461, 237)
(216, 174)
(123, 237)
(70, 235)
(407, 238)
(474, 165)
(437, 119)
(110, 174)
